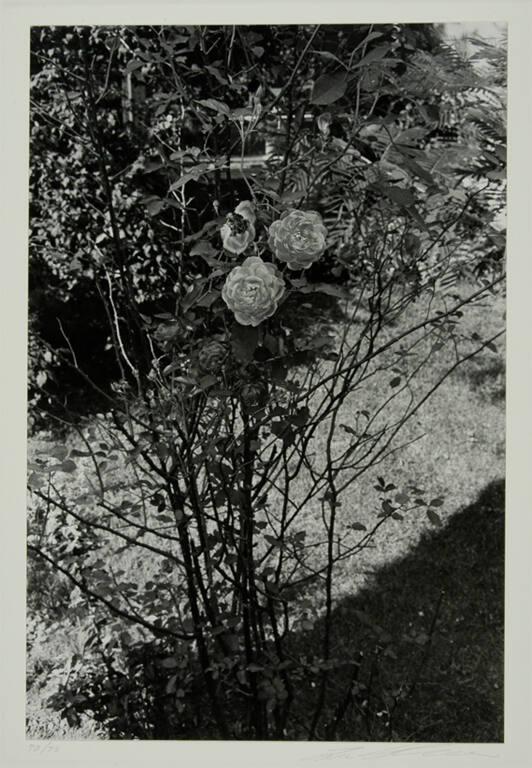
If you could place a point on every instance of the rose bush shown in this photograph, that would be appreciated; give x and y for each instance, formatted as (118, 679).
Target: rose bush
(239, 229)
(299, 238)
(232, 492)
(252, 291)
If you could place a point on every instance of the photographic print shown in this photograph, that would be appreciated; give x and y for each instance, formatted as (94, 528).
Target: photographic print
(266, 409)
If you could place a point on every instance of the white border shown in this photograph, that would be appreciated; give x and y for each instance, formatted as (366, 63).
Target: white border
(16, 17)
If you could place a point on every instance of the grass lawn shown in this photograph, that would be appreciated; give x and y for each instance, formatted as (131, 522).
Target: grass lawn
(412, 568)
(454, 445)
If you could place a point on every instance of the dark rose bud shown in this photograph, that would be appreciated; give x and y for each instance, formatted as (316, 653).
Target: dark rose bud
(254, 395)
(167, 332)
(211, 356)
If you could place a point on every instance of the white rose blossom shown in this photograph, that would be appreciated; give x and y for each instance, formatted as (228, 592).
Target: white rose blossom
(299, 238)
(252, 291)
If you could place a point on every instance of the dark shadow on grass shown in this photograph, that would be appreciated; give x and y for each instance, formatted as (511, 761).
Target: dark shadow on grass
(486, 377)
(449, 668)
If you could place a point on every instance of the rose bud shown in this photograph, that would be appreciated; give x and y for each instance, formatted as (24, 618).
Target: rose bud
(211, 356)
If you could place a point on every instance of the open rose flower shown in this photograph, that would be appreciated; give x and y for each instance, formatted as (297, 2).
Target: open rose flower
(239, 228)
(252, 291)
(211, 356)
(299, 238)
